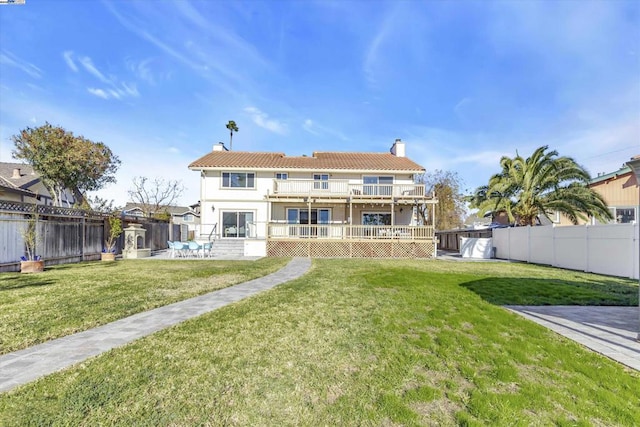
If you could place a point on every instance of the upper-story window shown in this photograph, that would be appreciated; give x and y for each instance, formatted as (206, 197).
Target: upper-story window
(320, 181)
(187, 218)
(238, 180)
(282, 175)
(378, 185)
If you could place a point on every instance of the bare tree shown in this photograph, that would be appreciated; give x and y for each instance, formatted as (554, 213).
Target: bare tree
(154, 196)
(450, 208)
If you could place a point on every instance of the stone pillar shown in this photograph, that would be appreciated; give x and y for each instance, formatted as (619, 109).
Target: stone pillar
(134, 236)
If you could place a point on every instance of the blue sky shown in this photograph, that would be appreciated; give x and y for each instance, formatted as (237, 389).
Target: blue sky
(460, 82)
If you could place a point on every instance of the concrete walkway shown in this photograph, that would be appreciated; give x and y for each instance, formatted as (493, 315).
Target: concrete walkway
(29, 364)
(611, 331)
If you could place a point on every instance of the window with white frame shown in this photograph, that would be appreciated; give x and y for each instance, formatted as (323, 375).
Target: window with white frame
(320, 181)
(238, 224)
(282, 175)
(376, 218)
(238, 180)
(188, 218)
(377, 185)
(315, 219)
(623, 214)
(620, 214)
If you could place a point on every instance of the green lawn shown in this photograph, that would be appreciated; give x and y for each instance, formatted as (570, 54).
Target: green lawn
(354, 342)
(74, 297)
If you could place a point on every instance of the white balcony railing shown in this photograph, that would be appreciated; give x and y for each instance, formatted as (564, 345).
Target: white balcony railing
(310, 187)
(345, 231)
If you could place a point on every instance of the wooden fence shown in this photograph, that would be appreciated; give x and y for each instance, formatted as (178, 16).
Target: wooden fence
(67, 235)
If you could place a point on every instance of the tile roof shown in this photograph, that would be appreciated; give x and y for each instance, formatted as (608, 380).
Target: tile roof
(319, 161)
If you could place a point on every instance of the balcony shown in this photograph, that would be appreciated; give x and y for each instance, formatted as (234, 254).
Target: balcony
(349, 232)
(345, 189)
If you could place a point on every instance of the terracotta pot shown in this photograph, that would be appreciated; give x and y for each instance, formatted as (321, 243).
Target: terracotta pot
(108, 256)
(31, 266)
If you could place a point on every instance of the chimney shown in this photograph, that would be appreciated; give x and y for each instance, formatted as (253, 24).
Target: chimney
(16, 173)
(397, 149)
(220, 147)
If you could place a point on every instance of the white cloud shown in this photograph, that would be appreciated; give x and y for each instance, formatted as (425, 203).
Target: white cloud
(87, 63)
(143, 70)
(371, 55)
(68, 58)
(308, 126)
(98, 92)
(8, 58)
(115, 90)
(314, 128)
(262, 119)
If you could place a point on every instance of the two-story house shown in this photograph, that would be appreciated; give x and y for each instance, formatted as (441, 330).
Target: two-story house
(330, 204)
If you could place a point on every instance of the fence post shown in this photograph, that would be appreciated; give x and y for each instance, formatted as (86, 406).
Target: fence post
(528, 244)
(553, 245)
(84, 236)
(587, 248)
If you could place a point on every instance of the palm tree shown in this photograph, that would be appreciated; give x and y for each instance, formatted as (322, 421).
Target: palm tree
(232, 128)
(539, 185)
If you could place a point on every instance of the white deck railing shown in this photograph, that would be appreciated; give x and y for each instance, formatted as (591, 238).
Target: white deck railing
(310, 187)
(345, 231)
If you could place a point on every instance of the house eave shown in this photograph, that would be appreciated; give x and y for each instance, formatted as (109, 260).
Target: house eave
(334, 170)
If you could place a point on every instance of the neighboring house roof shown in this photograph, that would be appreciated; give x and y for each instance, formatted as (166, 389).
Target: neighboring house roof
(320, 161)
(18, 176)
(173, 210)
(606, 176)
(15, 190)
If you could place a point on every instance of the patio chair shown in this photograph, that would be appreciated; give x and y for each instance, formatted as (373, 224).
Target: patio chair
(207, 249)
(195, 248)
(180, 249)
(172, 251)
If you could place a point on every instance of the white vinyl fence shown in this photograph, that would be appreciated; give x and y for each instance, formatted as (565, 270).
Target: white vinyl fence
(610, 249)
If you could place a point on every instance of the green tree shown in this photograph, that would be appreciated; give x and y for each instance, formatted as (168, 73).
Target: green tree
(232, 128)
(539, 185)
(451, 205)
(65, 161)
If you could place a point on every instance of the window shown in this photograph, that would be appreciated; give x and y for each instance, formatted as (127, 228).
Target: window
(301, 216)
(624, 215)
(187, 218)
(238, 179)
(315, 217)
(621, 215)
(321, 181)
(376, 218)
(282, 175)
(378, 185)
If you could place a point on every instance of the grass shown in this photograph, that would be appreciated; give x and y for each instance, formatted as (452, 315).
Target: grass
(354, 342)
(75, 297)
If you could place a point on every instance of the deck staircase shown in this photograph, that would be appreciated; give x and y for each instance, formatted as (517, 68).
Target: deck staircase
(226, 248)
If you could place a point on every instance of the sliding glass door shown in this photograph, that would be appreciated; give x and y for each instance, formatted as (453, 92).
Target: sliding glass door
(313, 217)
(237, 224)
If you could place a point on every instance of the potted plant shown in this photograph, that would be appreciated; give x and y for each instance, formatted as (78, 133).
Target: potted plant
(115, 230)
(31, 263)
